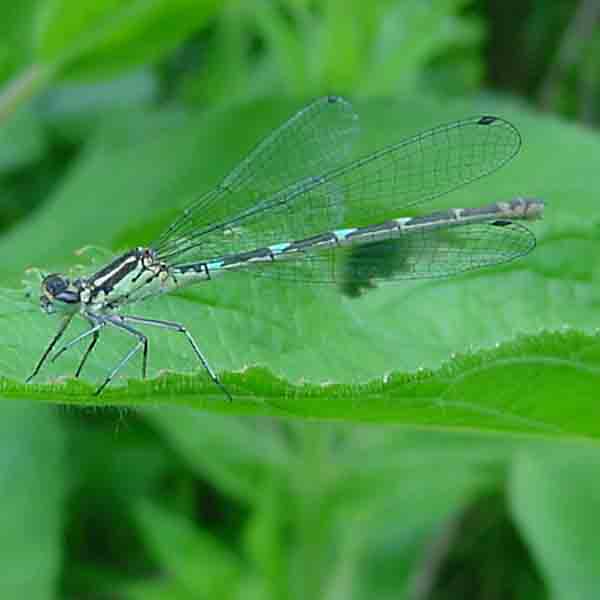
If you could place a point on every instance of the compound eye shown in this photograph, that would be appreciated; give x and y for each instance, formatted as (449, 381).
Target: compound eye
(55, 284)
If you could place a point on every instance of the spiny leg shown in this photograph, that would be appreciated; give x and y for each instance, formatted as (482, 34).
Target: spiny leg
(142, 343)
(95, 338)
(181, 329)
(97, 324)
(59, 334)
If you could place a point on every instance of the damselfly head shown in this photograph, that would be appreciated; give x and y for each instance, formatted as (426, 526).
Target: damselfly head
(58, 294)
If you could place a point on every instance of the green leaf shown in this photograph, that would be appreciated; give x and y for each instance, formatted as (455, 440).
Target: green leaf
(337, 510)
(556, 502)
(32, 487)
(22, 142)
(154, 590)
(470, 392)
(76, 109)
(16, 34)
(136, 175)
(286, 46)
(229, 453)
(344, 48)
(192, 557)
(410, 37)
(109, 36)
(267, 533)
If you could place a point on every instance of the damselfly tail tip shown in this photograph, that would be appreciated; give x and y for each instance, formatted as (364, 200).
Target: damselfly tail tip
(533, 208)
(528, 209)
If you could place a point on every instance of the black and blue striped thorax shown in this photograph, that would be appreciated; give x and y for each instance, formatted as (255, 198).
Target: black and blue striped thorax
(123, 279)
(117, 283)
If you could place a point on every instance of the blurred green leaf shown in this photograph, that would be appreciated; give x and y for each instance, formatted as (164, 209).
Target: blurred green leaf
(345, 36)
(75, 110)
(115, 464)
(109, 36)
(336, 512)
(410, 36)
(233, 455)
(129, 472)
(33, 482)
(287, 48)
(298, 48)
(16, 34)
(22, 141)
(155, 590)
(228, 71)
(197, 561)
(267, 530)
(556, 502)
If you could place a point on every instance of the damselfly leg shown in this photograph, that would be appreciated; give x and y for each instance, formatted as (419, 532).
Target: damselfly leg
(122, 322)
(96, 336)
(142, 343)
(61, 330)
(178, 327)
(95, 326)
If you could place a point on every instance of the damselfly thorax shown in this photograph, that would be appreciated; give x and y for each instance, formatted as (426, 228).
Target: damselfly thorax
(112, 286)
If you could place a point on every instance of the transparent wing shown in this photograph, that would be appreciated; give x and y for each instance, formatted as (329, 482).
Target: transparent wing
(412, 171)
(318, 138)
(428, 253)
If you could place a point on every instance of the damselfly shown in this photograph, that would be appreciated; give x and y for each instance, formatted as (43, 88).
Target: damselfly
(295, 210)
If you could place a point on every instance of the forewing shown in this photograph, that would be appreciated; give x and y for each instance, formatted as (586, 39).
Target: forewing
(316, 139)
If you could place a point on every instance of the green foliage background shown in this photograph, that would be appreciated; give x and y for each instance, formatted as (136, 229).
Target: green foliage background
(466, 464)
